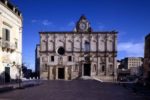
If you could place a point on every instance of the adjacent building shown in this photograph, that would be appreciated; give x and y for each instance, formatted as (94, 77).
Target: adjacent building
(129, 67)
(82, 52)
(147, 58)
(133, 64)
(10, 41)
(27, 73)
(118, 63)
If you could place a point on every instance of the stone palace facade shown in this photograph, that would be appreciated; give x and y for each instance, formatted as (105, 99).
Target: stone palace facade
(10, 41)
(82, 52)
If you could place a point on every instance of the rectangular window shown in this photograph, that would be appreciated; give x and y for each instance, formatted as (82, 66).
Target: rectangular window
(52, 58)
(69, 58)
(87, 46)
(6, 35)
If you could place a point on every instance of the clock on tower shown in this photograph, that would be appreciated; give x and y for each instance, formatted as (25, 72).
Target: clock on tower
(83, 25)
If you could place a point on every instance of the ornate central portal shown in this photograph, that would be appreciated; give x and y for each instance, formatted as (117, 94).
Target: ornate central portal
(61, 73)
(87, 69)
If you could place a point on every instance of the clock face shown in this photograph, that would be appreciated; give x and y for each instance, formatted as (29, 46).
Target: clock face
(82, 26)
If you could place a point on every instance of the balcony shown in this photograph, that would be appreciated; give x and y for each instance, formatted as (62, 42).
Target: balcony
(5, 44)
(8, 46)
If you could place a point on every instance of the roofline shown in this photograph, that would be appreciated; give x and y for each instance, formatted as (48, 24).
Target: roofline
(71, 32)
(133, 57)
(11, 10)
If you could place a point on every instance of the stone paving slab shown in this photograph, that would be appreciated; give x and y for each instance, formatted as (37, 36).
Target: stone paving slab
(10, 87)
(73, 90)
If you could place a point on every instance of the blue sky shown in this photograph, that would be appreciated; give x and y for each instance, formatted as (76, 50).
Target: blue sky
(131, 18)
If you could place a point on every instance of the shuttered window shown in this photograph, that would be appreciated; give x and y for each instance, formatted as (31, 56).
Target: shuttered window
(6, 34)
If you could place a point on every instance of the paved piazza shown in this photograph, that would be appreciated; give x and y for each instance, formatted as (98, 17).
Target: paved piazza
(72, 90)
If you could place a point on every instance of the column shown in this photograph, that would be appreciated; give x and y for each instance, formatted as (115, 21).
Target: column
(106, 66)
(66, 73)
(56, 73)
(98, 66)
(51, 73)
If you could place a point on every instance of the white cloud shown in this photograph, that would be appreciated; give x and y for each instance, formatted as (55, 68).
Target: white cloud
(46, 22)
(131, 49)
(42, 22)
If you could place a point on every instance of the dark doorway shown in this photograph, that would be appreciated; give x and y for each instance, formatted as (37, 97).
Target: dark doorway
(7, 74)
(103, 68)
(87, 69)
(61, 74)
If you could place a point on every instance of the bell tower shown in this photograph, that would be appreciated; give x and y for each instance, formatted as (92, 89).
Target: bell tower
(83, 25)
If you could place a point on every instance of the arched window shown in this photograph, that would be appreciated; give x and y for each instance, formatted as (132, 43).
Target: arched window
(87, 46)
